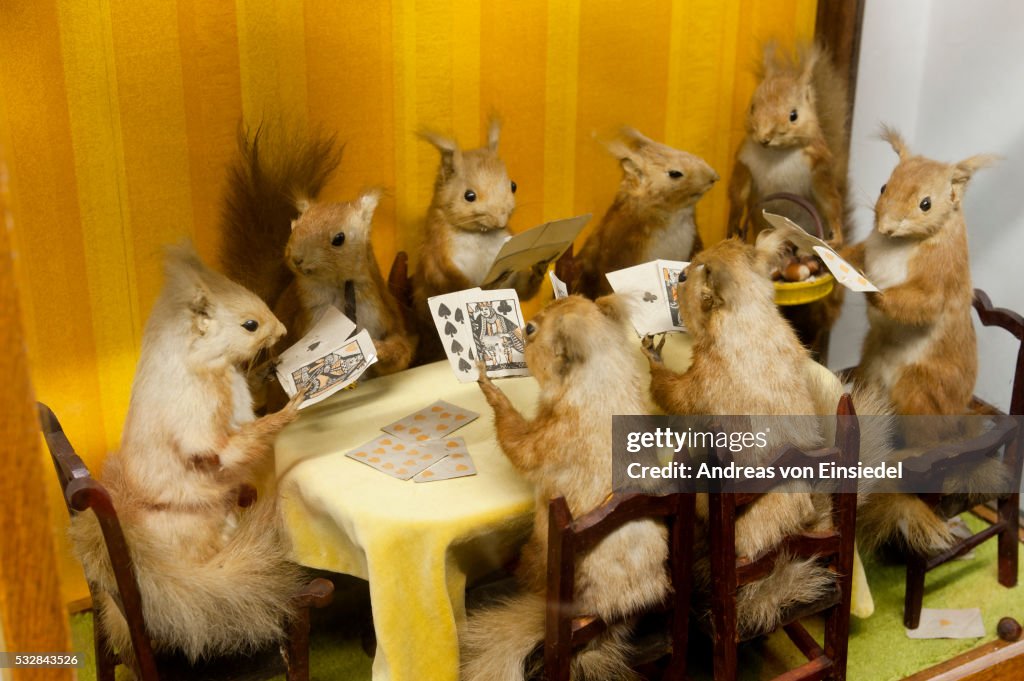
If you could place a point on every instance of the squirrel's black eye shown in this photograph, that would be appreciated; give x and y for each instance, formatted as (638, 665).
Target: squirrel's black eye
(792, 116)
(470, 195)
(682, 276)
(338, 239)
(926, 203)
(883, 189)
(250, 325)
(675, 174)
(514, 187)
(531, 328)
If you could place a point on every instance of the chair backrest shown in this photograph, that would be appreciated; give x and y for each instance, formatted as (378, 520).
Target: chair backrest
(1014, 323)
(570, 539)
(834, 546)
(82, 492)
(399, 281)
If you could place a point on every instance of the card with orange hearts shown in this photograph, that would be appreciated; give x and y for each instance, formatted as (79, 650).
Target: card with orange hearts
(431, 423)
(396, 457)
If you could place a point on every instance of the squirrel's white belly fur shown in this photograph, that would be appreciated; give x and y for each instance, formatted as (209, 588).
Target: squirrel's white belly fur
(887, 260)
(674, 240)
(474, 252)
(777, 170)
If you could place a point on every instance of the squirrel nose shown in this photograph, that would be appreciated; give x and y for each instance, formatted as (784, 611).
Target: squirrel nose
(714, 177)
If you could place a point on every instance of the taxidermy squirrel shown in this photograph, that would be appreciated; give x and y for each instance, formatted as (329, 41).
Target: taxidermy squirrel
(747, 360)
(797, 143)
(652, 216)
(466, 225)
(582, 357)
(920, 349)
(214, 578)
(299, 254)
(330, 250)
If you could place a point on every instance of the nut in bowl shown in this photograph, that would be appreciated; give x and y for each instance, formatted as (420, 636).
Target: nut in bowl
(801, 279)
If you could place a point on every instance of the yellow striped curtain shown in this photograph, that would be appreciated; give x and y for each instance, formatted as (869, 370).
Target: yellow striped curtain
(119, 117)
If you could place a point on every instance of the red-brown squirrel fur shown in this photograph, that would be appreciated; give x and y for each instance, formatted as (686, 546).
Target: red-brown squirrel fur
(920, 348)
(747, 360)
(466, 225)
(271, 172)
(797, 142)
(652, 216)
(214, 578)
(330, 248)
(585, 363)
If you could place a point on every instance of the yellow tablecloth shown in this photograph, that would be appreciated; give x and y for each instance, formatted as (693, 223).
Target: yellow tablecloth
(416, 543)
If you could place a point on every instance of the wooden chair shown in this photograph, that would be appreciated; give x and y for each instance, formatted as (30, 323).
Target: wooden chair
(83, 492)
(570, 539)
(1003, 436)
(933, 465)
(835, 547)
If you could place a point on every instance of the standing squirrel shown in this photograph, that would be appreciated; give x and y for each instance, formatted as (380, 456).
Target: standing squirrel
(652, 216)
(747, 360)
(330, 250)
(797, 142)
(920, 348)
(466, 226)
(271, 174)
(584, 362)
(214, 578)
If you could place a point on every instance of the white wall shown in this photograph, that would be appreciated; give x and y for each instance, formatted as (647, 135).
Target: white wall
(949, 75)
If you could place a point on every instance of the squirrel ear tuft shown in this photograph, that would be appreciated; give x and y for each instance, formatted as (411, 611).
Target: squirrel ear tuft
(809, 56)
(895, 140)
(636, 138)
(769, 57)
(613, 306)
(627, 158)
(493, 133)
(302, 204)
(963, 170)
(448, 148)
(368, 201)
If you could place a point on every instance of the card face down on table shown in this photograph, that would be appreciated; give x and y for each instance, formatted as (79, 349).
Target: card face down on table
(477, 325)
(650, 289)
(327, 359)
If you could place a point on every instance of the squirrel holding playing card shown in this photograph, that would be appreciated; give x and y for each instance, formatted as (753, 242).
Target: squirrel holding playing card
(466, 226)
(652, 216)
(214, 578)
(303, 255)
(584, 362)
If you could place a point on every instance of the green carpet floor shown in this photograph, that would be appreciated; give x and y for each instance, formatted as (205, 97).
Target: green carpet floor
(879, 647)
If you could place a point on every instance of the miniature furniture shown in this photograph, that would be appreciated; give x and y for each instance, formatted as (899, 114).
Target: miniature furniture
(1004, 435)
(835, 546)
(569, 539)
(83, 492)
(399, 281)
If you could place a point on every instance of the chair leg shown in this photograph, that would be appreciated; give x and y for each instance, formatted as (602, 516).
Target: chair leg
(106, 662)
(295, 649)
(725, 646)
(914, 597)
(1009, 542)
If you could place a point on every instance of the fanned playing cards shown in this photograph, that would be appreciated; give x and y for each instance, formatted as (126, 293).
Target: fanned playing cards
(651, 289)
(327, 359)
(419, 447)
(477, 325)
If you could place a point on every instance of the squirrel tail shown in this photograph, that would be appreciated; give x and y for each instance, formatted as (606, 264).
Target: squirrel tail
(498, 643)
(272, 174)
(237, 601)
(832, 96)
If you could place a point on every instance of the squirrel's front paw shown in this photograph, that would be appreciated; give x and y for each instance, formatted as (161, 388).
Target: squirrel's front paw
(652, 351)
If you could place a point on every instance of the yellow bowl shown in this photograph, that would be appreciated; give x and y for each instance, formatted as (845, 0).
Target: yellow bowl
(801, 292)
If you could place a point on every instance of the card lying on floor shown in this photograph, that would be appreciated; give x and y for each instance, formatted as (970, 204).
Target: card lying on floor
(845, 273)
(949, 624)
(476, 325)
(458, 463)
(536, 247)
(326, 360)
(650, 289)
(431, 423)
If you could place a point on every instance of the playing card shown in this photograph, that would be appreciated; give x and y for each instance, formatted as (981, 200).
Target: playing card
(457, 464)
(453, 328)
(431, 423)
(540, 245)
(651, 289)
(558, 286)
(496, 332)
(965, 623)
(845, 273)
(325, 360)
(398, 458)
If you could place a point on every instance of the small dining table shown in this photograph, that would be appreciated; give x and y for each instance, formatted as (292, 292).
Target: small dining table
(417, 544)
